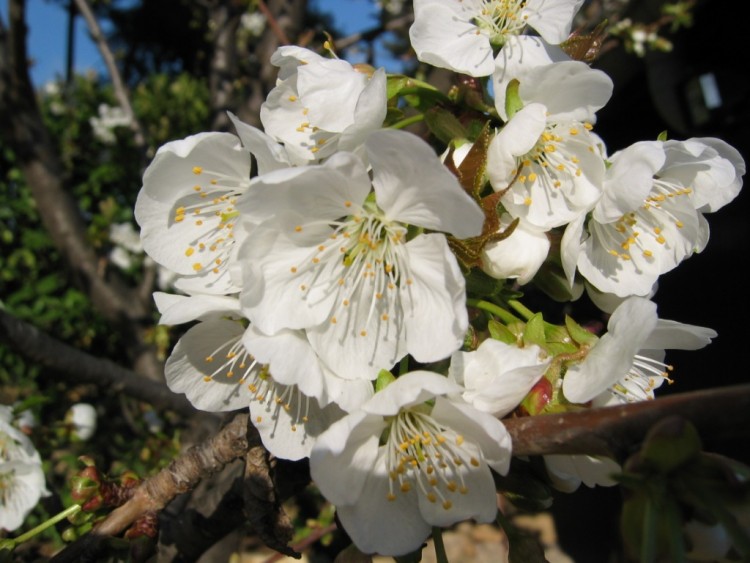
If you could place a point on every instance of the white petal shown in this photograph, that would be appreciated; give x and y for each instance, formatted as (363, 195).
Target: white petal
(441, 39)
(629, 180)
(672, 335)
(435, 302)
(284, 431)
(344, 455)
(290, 358)
(177, 309)
(484, 430)
(314, 192)
(571, 90)
(612, 356)
(517, 138)
(268, 153)
(552, 18)
(497, 376)
(412, 185)
(378, 525)
(369, 114)
(21, 493)
(413, 388)
(206, 384)
(518, 256)
(517, 57)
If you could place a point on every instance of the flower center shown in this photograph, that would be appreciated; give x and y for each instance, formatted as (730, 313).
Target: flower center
(554, 160)
(500, 19)
(422, 453)
(210, 213)
(644, 376)
(656, 221)
(231, 363)
(362, 264)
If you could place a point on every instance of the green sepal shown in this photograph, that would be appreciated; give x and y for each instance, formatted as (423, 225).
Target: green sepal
(385, 378)
(444, 125)
(534, 331)
(662, 136)
(513, 101)
(499, 331)
(578, 333)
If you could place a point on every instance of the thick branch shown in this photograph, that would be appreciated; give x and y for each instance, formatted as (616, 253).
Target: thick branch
(28, 341)
(718, 414)
(118, 85)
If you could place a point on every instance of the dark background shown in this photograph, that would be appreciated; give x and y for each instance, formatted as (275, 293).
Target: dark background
(654, 94)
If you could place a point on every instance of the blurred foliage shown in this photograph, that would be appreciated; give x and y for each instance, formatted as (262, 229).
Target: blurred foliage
(103, 173)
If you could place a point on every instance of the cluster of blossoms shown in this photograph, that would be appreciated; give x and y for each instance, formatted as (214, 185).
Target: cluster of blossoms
(21, 473)
(321, 257)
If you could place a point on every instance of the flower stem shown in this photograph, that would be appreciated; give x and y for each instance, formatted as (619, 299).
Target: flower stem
(502, 314)
(521, 309)
(46, 524)
(408, 121)
(437, 537)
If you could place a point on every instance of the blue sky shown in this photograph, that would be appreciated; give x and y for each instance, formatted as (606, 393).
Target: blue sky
(48, 34)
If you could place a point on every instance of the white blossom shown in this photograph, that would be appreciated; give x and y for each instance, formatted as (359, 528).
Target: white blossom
(410, 458)
(461, 34)
(321, 105)
(333, 255)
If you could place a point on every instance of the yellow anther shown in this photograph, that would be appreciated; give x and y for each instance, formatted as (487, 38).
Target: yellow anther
(390, 496)
(363, 333)
(447, 505)
(197, 170)
(293, 270)
(209, 359)
(292, 98)
(459, 439)
(405, 487)
(532, 177)
(298, 228)
(474, 461)
(527, 201)
(197, 266)
(431, 497)
(189, 251)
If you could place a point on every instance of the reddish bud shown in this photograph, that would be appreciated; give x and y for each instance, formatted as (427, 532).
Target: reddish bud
(538, 398)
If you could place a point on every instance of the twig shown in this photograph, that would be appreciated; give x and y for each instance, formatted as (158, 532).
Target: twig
(117, 84)
(273, 24)
(182, 475)
(35, 345)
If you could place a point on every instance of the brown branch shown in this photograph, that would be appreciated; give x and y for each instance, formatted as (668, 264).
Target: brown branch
(182, 475)
(33, 344)
(721, 414)
(121, 91)
(613, 431)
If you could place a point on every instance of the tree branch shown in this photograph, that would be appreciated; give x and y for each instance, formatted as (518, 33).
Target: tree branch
(30, 342)
(121, 92)
(718, 414)
(153, 494)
